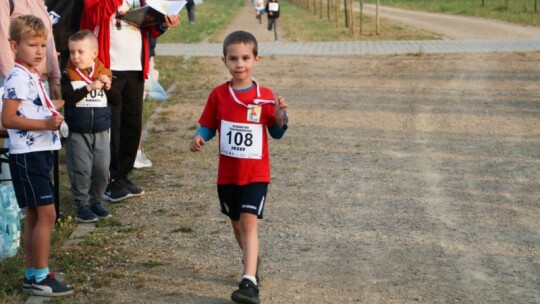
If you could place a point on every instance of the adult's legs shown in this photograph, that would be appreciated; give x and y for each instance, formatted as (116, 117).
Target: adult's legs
(126, 123)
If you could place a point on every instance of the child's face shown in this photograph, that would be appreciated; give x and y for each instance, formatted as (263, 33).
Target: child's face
(82, 53)
(240, 61)
(30, 51)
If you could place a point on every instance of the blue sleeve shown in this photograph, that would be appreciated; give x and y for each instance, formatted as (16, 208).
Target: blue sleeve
(276, 131)
(206, 133)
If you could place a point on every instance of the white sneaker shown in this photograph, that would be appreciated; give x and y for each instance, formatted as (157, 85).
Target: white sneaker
(141, 161)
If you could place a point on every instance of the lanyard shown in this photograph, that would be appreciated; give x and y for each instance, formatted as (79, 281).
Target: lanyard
(88, 79)
(42, 94)
(256, 101)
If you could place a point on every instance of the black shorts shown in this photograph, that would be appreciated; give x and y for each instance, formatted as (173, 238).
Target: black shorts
(31, 177)
(236, 199)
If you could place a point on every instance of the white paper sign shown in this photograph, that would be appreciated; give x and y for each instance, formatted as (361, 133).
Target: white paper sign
(170, 8)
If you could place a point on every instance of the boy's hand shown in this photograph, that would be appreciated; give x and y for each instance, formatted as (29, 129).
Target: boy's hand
(96, 85)
(53, 123)
(279, 110)
(197, 143)
(106, 80)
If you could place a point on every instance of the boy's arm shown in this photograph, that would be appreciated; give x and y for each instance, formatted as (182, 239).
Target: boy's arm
(70, 95)
(202, 135)
(10, 119)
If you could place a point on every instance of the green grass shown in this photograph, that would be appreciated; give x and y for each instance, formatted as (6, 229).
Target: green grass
(209, 16)
(303, 25)
(515, 11)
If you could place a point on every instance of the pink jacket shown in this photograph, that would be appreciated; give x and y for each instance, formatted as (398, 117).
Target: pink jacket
(49, 68)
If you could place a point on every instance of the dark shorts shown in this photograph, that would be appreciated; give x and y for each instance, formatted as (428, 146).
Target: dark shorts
(31, 177)
(236, 199)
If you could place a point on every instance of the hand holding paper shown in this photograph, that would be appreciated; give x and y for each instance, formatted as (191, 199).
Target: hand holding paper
(153, 13)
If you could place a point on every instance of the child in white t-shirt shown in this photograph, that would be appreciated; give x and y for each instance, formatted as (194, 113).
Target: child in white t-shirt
(32, 122)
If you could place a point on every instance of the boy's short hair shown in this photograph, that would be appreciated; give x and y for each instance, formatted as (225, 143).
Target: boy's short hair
(27, 25)
(83, 35)
(240, 37)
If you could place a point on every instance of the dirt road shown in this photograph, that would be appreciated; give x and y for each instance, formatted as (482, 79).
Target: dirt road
(402, 179)
(454, 26)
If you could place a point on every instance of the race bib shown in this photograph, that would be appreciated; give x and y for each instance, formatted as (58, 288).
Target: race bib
(94, 99)
(273, 7)
(241, 140)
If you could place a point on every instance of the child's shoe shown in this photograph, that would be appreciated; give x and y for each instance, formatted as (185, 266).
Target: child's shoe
(27, 286)
(247, 293)
(50, 287)
(85, 215)
(141, 161)
(100, 211)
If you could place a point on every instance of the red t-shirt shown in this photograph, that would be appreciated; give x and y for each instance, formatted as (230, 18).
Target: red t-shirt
(245, 129)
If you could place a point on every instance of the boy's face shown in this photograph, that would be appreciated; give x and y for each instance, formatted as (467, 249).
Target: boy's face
(240, 61)
(82, 53)
(30, 51)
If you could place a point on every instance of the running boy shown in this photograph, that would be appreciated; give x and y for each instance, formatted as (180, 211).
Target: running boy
(242, 111)
(86, 88)
(272, 7)
(32, 123)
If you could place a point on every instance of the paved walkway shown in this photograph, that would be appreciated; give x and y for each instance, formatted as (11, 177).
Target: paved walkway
(360, 47)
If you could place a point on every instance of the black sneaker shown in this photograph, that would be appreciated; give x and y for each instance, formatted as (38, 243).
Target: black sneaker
(85, 215)
(100, 211)
(116, 191)
(134, 190)
(27, 286)
(247, 293)
(50, 287)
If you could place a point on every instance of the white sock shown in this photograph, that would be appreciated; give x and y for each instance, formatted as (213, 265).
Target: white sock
(252, 279)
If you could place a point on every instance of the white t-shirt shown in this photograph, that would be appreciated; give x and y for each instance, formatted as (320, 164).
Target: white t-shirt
(22, 85)
(126, 42)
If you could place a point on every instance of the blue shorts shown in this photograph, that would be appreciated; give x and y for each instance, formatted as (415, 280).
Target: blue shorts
(31, 177)
(236, 199)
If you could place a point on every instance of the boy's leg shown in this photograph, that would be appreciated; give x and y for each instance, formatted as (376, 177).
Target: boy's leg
(41, 235)
(250, 242)
(31, 220)
(275, 30)
(100, 173)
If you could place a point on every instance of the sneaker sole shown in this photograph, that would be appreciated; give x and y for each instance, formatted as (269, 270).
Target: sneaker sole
(79, 220)
(116, 200)
(141, 166)
(239, 298)
(47, 294)
(27, 290)
(104, 217)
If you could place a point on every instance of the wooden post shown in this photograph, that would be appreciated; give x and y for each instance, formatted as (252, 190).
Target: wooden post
(337, 12)
(377, 18)
(328, 9)
(346, 12)
(361, 16)
(351, 25)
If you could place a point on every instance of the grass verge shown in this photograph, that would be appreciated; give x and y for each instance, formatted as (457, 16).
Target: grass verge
(209, 16)
(515, 11)
(303, 25)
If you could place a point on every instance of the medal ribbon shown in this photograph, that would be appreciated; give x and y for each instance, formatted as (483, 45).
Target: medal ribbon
(41, 93)
(255, 101)
(87, 80)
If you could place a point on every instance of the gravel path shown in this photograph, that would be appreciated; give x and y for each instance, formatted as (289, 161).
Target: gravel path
(402, 179)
